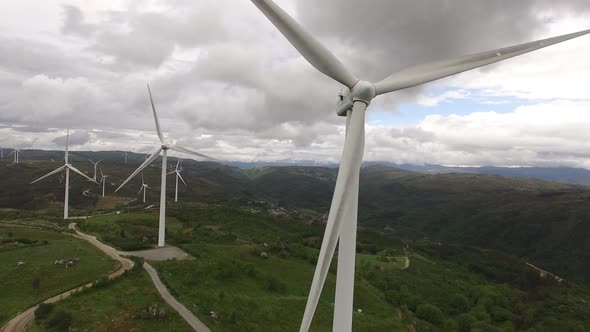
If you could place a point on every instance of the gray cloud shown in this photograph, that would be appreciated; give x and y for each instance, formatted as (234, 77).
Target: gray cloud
(75, 138)
(224, 80)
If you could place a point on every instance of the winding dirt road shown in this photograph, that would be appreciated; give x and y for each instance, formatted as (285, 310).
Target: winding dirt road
(21, 321)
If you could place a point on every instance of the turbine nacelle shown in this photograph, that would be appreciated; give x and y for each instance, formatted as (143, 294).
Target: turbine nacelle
(362, 91)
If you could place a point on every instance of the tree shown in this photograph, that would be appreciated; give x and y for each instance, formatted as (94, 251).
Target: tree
(430, 313)
(43, 310)
(60, 321)
(459, 304)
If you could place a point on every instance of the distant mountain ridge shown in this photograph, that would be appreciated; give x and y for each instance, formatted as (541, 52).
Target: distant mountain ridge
(562, 174)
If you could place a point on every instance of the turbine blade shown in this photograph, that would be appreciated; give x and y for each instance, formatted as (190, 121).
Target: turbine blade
(171, 173)
(191, 152)
(140, 189)
(50, 173)
(141, 167)
(348, 174)
(80, 172)
(433, 71)
(177, 163)
(155, 116)
(309, 47)
(181, 179)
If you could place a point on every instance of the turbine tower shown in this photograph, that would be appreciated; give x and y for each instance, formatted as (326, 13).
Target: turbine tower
(144, 188)
(67, 167)
(178, 176)
(16, 152)
(342, 218)
(125, 156)
(164, 147)
(95, 166)
(103, 180)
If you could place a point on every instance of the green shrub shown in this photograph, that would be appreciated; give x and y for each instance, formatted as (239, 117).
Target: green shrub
(275, 285)
(459, 304)
(43, 310)
(430, 313)
(60, 321)
(465, 322)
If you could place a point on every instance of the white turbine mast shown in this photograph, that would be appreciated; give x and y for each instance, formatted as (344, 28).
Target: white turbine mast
(144, 187)
(103, 180)
(177, 171)
(125, 154)
(16, 152)
(95, 166)
(164, 147)
(67, 167)
(342, 218)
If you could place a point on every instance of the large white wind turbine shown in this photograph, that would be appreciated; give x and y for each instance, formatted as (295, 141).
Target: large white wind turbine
(67, 167)
(177, 171)
(164, 147)
(342, 218)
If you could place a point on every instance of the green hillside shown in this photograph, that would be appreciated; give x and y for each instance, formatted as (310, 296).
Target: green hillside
(546, 223)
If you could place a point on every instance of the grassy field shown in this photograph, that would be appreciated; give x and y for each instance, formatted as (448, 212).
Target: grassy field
(254, 272)
(117, 306)
(129, 232)
(38, 250)
(249, 292)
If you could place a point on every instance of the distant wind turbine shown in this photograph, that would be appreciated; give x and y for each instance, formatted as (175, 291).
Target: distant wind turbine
(342, 218)
(95, 166)
(164, 147)
(125, 156)
(16, 152)
(103, 179)
(178, 176)
(67, 167)
(144, 187)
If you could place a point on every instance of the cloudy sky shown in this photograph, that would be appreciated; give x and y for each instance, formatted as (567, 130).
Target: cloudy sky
(226, 83)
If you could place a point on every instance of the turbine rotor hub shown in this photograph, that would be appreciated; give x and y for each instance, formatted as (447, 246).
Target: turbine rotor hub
(363, 91)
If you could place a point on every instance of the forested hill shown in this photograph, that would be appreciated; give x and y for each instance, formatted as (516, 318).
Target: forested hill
(546, 223)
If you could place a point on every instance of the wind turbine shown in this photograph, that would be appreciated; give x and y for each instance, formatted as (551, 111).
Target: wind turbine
(16, 152)
(95, 165)
(178, 176)
(342, 218)
(144, 187)
(67, 167)
(103, 180)
(164, 147)
(125, 155)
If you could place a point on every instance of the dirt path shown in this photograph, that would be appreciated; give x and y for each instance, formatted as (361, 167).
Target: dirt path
(407, 258)
(21, 321)
(188, 316)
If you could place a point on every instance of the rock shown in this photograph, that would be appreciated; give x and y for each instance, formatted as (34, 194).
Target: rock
(162, 314)
(214, 315)
(263, 255)
(20, 263)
